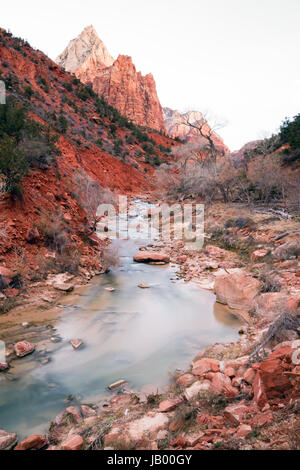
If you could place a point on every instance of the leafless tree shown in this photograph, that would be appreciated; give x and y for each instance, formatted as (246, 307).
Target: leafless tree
(90, 195)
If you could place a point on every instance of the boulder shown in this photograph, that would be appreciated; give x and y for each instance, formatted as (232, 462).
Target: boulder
(73, 442)
(185, 380)
(33, 442)
(76, 343)
(261, 419)
(3, 366)
(221, 384)
(270, 304)
(258, 254)
(236, 290)
(7, 440)
(249, 376)
(243, 430)
(211, 422)
(150, 257)
(235, 413)
(197, 387)
(285, 251)
(260, 396)
(73, 413)
(271, 380)
(67, 287)
(23, 348)
(61, 282)
(169, 405)
(205, 365)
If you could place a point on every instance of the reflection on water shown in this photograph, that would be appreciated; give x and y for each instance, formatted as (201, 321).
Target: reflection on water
(140, 335)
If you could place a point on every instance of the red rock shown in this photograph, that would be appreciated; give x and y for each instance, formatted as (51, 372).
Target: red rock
(280, 353)
(148, 257)
(259, 254)
(23, 348)
(11, 293)
(185, 380)
(235, 414)
(74, 442)
(261, 419)
(33, 442)
(260, 396)
(117, 81)
(243, 430)
(249, 376)
(179, 442)
(236, 382)
(88, 412)
(7, 440)
(205, 365)
(176, 424)
(169, 405)
(8, 274)
(236, 290)
(74, 413)
(210, 421)
(270, 304)
(3, 366)
(230, 372)
(76, 343)
(276, 383)
(193, 439)
(221, 384)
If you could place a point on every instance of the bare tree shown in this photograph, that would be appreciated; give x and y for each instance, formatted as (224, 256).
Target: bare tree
(90, 195)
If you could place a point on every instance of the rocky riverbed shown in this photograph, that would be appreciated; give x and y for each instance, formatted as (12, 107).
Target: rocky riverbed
(229, 398)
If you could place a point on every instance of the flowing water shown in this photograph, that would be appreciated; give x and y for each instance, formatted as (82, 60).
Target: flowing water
(140, 335)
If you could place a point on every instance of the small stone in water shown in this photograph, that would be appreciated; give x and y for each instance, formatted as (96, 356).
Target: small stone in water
(68, 399)
(110, 289)
(52, 385)
(45, 361)
(25, 324)
(55, 339)
(76, 343)
(143, 286)
(117, 384)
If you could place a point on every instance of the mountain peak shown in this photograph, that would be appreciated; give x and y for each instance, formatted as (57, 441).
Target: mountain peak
(87, 48)
(118, 81)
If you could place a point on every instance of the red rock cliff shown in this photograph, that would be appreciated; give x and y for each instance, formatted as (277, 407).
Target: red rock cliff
(133, 94)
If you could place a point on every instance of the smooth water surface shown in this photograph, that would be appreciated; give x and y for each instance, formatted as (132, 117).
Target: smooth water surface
(140, 335)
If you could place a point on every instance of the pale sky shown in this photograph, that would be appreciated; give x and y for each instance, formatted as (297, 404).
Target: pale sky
(239, 59)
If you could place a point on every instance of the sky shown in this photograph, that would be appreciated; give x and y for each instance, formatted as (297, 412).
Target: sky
(238, 60)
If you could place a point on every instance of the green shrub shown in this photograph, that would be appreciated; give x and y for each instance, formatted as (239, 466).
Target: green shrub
(28, 92)
(13, 165)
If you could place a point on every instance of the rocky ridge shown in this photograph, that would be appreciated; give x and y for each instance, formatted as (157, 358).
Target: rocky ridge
(118, 81)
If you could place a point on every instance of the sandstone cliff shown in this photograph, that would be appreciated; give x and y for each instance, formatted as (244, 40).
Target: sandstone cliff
(85, 55)
(133, 94)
